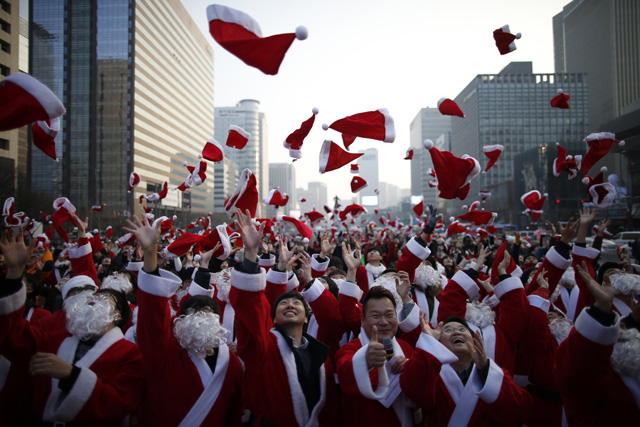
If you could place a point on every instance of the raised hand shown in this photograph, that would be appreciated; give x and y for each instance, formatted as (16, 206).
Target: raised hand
(251, 237)
(602, 294)
(16, 254)
(602, 226)
(403, 286)
(284, 254)
(486, 285)
(504, 264)
(305, 261)
(145, 234)
(82, 225)
(587, 215)
(483, 253)
(568, 232)
(551, 227)
(432, 219)
(541, 280)
(376, 355)
(326, 247)
(351, 260)
(427, 329)
(478, 355)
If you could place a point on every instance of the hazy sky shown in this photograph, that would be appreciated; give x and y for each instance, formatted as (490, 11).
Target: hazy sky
(362, 55)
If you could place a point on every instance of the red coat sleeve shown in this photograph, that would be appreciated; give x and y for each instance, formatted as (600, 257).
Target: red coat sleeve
(412, 255)
(453, 298)
(586, 255)
(350, 307)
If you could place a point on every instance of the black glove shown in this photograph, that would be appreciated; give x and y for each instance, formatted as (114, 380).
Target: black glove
(432, 219)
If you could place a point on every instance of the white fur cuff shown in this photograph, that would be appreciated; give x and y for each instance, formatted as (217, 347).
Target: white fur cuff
(277, 277)
(76, 252)
(557, 260)
(466, 283)
(412, 321)
(248, 282)
(361, 373)
(489, 393)
(539, 302)
(314, 292)
(507, 285)
(13, 302)
(432, 346)
(158, 285)
(585, 252)
(594, 331)
(352, 290)
(417, 249)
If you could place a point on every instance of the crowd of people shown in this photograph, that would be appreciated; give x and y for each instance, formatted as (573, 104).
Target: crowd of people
(374, 326)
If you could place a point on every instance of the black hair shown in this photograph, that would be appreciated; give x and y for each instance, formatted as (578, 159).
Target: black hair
(186, 273)
(336, 262)
(333, 287)
(526, 274)
(290, 294)
(374, 248)
(122, 305)
(603, 269)
(336, 272)
(460, 320)
(198, 302)
(377, 292)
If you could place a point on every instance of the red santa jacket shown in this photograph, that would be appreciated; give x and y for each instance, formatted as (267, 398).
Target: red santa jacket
(177, 382)
(430, 381)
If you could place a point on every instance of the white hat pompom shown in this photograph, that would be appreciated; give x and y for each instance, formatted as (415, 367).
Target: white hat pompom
(510, 239)
(199, 156)
(518, 35)
(185, 164)
(585, 180)
(560, 91)
(604, 169)
(325, 126)
(428, 144)
(302, 33)
(545, 195)
(452, 219)
(315, 111)
(621, 143)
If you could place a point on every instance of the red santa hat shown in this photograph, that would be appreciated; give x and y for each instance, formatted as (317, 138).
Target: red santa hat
(484, 194)
(237, 137)
(212, 151)
(454, 173)
(98, 208)
(433, 183)
(376, 125)
(109, 232)
(43, 135)
(24, 100)
(63, 210)
(357, 184)
(327, 209)
(535, 215)
(347, 140)
(448, 107)
(333, 157)
(268, 227)
(601, 194)
(245, 196)
(295, 140)
(302, 200)
(157, 196)
(533, 200)
(505, 41)
(605, 233)
(302, 228)
(313, 216)
(564, 163)
(12, 218)
(240, 35)
(354, 209)
(599, 145)
(481, 232)
(493, 153)
(561, 100)
(478, 217)
(134, 180)
(409, 154)
(42, 241)
(455, 228)
(354, 168)
(275, 198)
(419, 209)
(473, 206)
(512, 269)
(492, 229)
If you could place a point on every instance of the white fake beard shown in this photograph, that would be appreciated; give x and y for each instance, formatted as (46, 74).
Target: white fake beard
(72, 302)
(85, 320)
(480, 314)
(181, 293)
(223, 284)
(568, 278)
(625, 358)
(560, 328)
(626, 284)
(199, 332)
(118, 282)
(426, 276)
(388, 281)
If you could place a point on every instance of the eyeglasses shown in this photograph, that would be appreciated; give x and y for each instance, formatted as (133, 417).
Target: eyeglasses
(451, 329)
(105, 297)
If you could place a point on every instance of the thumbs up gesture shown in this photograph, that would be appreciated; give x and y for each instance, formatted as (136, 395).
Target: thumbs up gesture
(376, 355)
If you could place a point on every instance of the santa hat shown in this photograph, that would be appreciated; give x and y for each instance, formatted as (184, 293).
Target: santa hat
(505, 41)
(561, 100)
(473, 206)
(599, 146)
(455, 228)
(12, 218)
(512, 269)
(165, 222)
(372, 124)
(42, 241)
(237, 137)
(433, 183)
(245, 196)
(212, 151)
(564, 163)
(24, 100)
(533, 200)
(377, 191)
(275, 198)
(484, 194)
(302, 228)
(240, 35)
(77, 281)
(357, 184)
(43, 135)
(478, 217)
(95, 241)
(354, 209)
(601, 193)
(454, 173)
(482, 233)
(333, 157)
(294, 141)
(98, 208)
(268, 224)
(134, 180)
(327, 209)
(492, 229)
(157, 196)
(493, 153)
(419, 209)
(63, 210)
(347, 140)
(313, 216)
(448, 107)
(409, 154)
(354, 168)
(535, 215)
(109, 232)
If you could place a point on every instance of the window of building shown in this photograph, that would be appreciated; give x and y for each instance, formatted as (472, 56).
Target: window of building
(6, 27)
(6, 6)
(5, 71)
(4, 144)
(5, 46)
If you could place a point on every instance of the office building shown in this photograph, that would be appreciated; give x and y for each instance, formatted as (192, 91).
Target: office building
(226, 175)
(254, 156)
(512, 109)
(316, 196)
(283, 177)
(368, 166)
(136, 78)
(429, 123)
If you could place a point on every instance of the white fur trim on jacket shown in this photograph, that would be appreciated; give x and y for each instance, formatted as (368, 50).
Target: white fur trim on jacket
(412, 320)
(361, 371)
(318, 266)
(314, 291)
(293, 282)
(507, 285)
(557, 260)
(491, 389)
(135, 266)
(248, 282)
(76, 252)
(13, 302)
(420, 252)
(350, 289)
(277, 277)
(586, 252)
(594, 331)
(262, 262)
(539, 302)
(466, 283)
(164, 285)
(432, 346)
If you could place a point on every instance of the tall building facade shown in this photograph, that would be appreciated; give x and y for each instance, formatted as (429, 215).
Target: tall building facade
(429, 123)
(368, 166)
(226, 174)
(316, 195)
(512, 109)
(254, 156)
(283, 176)
(136, 78)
